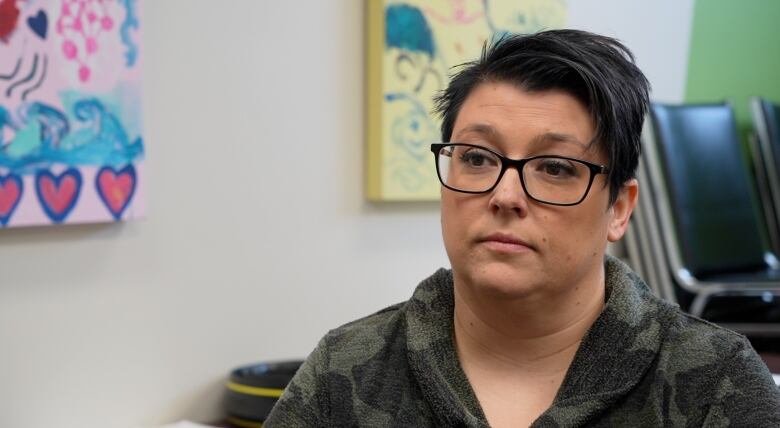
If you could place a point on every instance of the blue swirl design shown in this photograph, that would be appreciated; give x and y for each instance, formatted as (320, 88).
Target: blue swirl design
(412, 131)
(130, 22)
(93, 136)
(54, 124)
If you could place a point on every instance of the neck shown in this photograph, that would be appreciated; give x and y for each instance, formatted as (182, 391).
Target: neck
(528, 331)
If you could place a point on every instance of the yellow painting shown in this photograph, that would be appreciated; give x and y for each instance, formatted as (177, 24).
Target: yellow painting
(412, 47)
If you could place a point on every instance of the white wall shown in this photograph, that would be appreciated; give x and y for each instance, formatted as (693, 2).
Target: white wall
(257, 239)
(658, 32)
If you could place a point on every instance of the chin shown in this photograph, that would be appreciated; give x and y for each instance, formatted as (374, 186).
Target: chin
(501, 281)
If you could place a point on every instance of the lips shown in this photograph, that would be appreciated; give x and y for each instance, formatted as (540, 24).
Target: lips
(506, 243)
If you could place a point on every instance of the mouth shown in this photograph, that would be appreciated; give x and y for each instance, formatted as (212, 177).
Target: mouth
(505, 243)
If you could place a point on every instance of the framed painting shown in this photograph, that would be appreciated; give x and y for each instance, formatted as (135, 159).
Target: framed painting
(71, 144)
(412, 46)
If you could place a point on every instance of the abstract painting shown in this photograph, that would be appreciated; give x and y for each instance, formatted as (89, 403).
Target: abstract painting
(412, 47)
(71, 146)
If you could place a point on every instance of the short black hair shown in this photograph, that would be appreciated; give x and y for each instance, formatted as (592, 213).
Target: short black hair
(598, 70)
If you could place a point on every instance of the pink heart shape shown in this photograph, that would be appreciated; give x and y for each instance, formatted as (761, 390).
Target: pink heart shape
(10, 192)
(116, 188)
(58, 194)
(58, 198)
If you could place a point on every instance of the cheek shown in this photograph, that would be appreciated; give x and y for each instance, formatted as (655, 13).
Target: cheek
(455, 221)
(449, 217)
(574, 236)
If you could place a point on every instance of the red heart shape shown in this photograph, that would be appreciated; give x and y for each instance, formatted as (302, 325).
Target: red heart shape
(10, 192)
(116, 188)
(58, 199)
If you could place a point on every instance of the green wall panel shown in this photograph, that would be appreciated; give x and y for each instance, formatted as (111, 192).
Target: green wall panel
(735, 54)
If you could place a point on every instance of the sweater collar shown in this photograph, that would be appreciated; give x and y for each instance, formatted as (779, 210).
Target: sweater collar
(432, 355)
(613, 356)
(617, 351)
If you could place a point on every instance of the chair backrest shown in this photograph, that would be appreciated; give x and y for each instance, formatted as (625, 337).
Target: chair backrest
(769, 125)
(766, 159)
(710, 194)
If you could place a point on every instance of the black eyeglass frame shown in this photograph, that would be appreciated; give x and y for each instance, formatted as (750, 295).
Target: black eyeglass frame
(518, 164)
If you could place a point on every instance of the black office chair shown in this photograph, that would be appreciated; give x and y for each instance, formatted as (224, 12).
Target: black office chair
(703, 200)
(765, 149)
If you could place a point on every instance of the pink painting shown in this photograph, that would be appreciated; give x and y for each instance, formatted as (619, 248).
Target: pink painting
(71, 146)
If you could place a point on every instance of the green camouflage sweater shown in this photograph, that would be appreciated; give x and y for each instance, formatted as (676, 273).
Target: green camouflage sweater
(642, 363)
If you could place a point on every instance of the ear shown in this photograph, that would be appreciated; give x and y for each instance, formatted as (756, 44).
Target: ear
(622, 209)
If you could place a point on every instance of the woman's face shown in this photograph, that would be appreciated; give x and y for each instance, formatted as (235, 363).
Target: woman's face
(502, 241)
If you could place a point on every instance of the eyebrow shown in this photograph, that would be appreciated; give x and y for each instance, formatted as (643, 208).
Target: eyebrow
(539, 140)
(479, 128)
(557, 137)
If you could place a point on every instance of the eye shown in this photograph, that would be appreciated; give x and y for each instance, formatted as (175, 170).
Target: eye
(476, 158)
(559, 168)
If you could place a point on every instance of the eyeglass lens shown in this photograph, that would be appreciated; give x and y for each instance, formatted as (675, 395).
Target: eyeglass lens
(548, 179)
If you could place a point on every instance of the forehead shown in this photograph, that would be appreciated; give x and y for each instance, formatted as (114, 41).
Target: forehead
(502, 113)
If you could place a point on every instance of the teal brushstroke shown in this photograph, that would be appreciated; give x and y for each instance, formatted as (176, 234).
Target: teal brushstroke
(54, 124)
(26, 141)
(92, 136)
(5, 121)
(406, 28)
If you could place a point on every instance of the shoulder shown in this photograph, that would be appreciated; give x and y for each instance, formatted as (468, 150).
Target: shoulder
(716, 373)
(386, 331)
(377, 345)
(378, 320)
(359, 370)
(359, 340)
(694, 342)
(334, 376)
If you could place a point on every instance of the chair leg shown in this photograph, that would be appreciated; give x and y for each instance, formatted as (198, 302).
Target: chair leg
(699, 303)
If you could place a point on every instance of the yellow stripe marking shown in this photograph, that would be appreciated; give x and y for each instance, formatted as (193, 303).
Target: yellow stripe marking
(255, 390)
(244, 423)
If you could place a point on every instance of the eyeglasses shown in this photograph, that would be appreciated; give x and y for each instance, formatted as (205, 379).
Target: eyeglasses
(554, 180)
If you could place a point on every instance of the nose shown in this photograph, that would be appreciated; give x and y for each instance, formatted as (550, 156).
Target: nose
(508, 196)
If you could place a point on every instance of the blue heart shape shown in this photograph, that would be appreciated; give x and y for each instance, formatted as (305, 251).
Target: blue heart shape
(39, 24)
